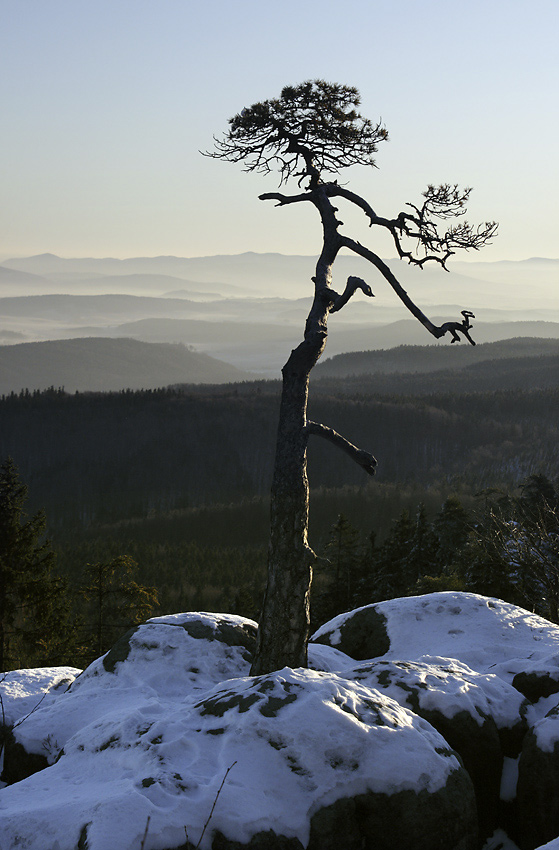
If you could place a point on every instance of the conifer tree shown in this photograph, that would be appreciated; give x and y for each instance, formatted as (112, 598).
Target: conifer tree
(451, 527)
(32, 599)
(513, 551)
(309, 134)
(392, 561)
(116, 601)
(422, 549)
(340, 573)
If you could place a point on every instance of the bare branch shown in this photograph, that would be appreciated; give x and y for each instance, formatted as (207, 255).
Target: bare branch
(362, 458)
(35, 707)
(441, 202)
(352, 285)
(373, 258)
(285, 199)
(220, 789)
(145, 835)
(334, 190)
(454, 328)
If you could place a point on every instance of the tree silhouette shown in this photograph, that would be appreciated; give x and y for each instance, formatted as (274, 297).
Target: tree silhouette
(309, 134)
(116, 601)
(28, 589)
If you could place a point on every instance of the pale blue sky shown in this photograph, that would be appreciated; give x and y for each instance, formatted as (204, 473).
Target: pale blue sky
(105, 104)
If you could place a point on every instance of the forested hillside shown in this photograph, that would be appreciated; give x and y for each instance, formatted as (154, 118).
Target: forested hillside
(431, 358)
(104, 457)
(178, 478)
(106, 364)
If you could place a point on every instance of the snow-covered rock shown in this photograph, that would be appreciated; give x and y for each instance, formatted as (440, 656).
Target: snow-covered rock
(540, 678)
(479, 715)
(488, 635)
(310, 756)
(538, 782)
(362, 744)
(167, 658)
(23, 690)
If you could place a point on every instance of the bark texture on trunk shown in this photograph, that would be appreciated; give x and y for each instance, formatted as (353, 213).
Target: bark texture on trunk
(284, 622)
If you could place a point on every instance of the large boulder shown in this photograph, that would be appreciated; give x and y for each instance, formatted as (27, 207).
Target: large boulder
(168, 658)
(486, 634)
(538, 783)
(477, 714)
(293, 759)
(23, 692)
(540, 678)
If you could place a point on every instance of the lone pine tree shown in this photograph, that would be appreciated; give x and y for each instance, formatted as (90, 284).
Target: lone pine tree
(308, 134)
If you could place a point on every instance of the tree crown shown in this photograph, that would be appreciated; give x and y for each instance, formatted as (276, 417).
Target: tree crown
(311, 128)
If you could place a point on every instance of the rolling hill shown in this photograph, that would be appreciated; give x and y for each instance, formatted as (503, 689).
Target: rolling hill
(107, 364)
(526, 286)
(431, 358)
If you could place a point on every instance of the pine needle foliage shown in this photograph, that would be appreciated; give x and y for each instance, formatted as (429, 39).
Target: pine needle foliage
(311, 126)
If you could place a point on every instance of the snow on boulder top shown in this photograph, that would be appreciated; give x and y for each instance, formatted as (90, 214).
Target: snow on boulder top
(444, 686)
(167, 658)
(328, 659)
(288, 744)
(546, 729)
(486, 634)
(23, 690)
(175, 654)
(551, 845)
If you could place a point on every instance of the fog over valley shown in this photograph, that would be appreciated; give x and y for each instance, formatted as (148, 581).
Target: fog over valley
(248, 310)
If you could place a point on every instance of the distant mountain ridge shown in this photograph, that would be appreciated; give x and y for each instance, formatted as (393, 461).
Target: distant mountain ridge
(414, 359)
(107, 365)
(264, 273)
(250, 309)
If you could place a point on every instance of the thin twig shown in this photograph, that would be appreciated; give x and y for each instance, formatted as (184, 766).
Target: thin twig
(2, 701)
(145, 833)
(31, 712)
(215, 801)
(2, 737)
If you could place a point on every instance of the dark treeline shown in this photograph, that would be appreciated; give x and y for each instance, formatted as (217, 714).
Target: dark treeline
(92, 459)
(510, 373)
(504, 544)
(531, 354)
(214, 558)
(176, 481)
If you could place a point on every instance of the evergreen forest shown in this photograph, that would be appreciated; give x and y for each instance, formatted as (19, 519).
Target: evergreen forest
(145, 502)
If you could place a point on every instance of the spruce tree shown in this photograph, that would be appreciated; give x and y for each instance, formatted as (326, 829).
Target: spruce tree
(451, 527)
(422, 548)
(115, 601)
(392, 561)
(340, 573)
(29, 592)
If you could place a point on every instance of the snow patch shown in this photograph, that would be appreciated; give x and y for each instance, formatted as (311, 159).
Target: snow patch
(23, 690)
(509, 779)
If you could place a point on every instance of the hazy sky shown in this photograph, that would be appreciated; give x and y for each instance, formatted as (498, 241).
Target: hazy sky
(106, 103)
